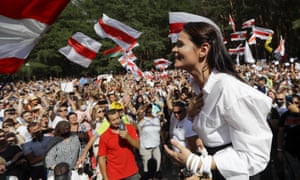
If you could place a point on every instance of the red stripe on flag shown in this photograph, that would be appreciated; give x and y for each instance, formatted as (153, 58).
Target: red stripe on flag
(116, 33)
(261, 33)
(10, 65)
(175, 27)
(45, 11)
(82, 50)
(112, 50)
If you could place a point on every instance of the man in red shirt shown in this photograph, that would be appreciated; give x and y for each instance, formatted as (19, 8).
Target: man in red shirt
(116, 156)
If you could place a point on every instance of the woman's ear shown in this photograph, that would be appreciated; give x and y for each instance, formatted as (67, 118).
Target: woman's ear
(203, 50)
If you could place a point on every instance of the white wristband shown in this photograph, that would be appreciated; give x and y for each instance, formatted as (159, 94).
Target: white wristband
(188, 161)
(195, 164)
(206, 163)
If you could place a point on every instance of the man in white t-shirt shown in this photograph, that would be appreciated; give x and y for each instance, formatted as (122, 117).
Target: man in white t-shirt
(181, 127)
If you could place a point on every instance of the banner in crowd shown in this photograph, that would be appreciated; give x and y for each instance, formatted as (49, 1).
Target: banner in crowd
(248, 24)
(248, 54)
(22, 24)
(231, 22)
(262, 33)
(162, 63)
(280, 49)
(120, 33)
(238, 36)
(81, 49)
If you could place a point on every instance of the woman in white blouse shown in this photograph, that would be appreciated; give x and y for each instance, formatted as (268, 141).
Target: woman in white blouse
(228, 115)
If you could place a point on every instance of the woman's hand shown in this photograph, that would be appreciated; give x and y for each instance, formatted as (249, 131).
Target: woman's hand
(181, 156)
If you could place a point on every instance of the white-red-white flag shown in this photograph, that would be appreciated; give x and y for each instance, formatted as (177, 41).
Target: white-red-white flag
(81, 49)
(252, 40)
(231, 22)
(22, 22)
(280, 49)
(262, 33)
(248, 24)
(162, 63)
(239, 50)
(120, 33)
(178, 19)
(238, 36)
(248, 54)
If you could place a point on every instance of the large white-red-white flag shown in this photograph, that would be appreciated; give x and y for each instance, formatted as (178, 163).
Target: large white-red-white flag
(117, 31)
(178, 19)
(262, 33)
(280, 49)
(81, 49)
(162, 63)
(248, 24)
(231, 22)
(238, 36)
(22, 22)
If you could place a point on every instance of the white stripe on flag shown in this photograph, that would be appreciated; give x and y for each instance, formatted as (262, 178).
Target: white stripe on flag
(75, 57)
(18, 37)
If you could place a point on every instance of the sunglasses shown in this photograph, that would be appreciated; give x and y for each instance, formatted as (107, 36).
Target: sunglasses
(101, 111)
(177, 112)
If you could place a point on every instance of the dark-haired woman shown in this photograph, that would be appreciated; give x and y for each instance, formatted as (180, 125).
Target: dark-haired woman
(228, 115)
(63, 148)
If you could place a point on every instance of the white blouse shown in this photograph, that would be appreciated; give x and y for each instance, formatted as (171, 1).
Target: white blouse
(236, 113)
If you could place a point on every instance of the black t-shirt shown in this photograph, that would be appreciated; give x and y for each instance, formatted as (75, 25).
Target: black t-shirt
(291, 123)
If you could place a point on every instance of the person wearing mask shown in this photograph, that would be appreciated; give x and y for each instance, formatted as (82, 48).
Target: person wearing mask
(228, 115)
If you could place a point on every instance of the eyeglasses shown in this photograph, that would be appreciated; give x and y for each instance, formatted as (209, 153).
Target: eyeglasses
(177, 112)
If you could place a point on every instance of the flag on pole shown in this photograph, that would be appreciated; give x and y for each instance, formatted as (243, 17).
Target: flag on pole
(238, 36)
(22, 24)
(178, 19)
(280, 49)
(81, 49)
(262, 33)
(162, 63)
(120, 33)
(252, 40)
(248, 54)
(231, 22)
(248, 24)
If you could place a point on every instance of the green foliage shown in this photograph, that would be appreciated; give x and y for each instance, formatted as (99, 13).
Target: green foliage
(151, 18)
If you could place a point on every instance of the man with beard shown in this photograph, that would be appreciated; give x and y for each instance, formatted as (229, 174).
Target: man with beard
(13, 155)
(35, 151)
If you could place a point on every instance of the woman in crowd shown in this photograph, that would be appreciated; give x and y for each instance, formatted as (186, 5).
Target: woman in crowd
(228, 115)
(63, 148)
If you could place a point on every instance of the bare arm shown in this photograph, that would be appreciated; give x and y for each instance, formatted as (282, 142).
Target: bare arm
(102, 165)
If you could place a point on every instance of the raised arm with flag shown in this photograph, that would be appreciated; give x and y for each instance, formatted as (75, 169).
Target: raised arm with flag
(22, 23)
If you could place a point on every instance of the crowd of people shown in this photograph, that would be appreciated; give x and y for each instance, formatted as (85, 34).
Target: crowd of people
(207, 119)
(42, 125)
